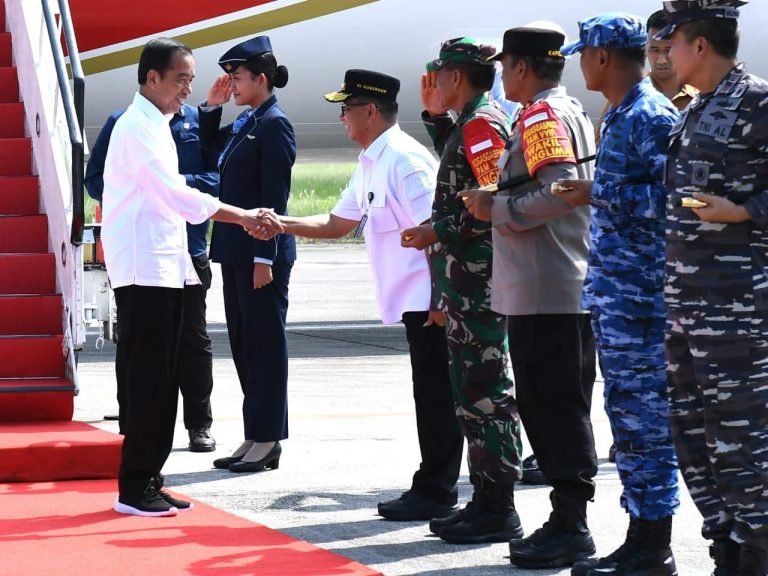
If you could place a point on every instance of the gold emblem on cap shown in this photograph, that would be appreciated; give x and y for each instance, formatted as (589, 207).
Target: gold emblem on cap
(228, 66)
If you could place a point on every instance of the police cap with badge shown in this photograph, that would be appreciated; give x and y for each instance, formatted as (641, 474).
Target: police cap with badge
(609, 30)
(531, 41)
(679, 12)
(241, 53)
(366, 83)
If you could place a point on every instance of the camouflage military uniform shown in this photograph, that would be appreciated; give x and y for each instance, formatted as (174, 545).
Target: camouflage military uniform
(461, 272)
(624, 291)
(716, 292)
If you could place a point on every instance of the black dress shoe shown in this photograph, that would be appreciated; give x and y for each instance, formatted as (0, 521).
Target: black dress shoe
(411, 506)
(270, 461)
(200, 440)
(226, 462)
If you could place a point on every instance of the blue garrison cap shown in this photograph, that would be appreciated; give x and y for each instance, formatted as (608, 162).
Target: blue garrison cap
(610, 30)
(240, 53)
(681, 11)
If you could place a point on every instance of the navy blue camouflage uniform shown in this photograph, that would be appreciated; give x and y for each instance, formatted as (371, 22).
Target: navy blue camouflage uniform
(624, 291)
(716, 293)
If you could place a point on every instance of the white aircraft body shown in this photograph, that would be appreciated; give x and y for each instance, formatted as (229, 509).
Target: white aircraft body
(319, 39)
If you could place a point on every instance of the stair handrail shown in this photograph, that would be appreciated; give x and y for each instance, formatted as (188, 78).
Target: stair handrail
(74, 109)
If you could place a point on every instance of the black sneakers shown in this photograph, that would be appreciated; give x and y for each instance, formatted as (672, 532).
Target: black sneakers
(180, 505)
(151, 503)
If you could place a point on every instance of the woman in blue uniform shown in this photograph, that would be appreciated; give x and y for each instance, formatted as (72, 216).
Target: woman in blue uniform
(257, 152)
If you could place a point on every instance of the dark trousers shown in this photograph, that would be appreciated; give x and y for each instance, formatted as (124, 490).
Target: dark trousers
(256, 326)
(195, 354)
(440, 438)
(553, 360)
(147, 352)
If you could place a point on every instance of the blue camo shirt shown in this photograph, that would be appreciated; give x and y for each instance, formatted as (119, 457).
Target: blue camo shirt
(626, 255)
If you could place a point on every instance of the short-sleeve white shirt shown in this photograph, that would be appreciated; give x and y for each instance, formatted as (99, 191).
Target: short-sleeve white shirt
(147, 203)
(393, 184)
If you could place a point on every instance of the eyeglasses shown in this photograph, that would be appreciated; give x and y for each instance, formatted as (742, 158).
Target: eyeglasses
(345, 107)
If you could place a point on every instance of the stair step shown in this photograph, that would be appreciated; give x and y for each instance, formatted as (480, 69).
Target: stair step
(15, 156)
(19, 194)
(27, 273)
(6, 54)
(31, 357)
(24, 234)
(36, 399)
(26, 315)
(9, 84)
(11, 117)
(49, 451)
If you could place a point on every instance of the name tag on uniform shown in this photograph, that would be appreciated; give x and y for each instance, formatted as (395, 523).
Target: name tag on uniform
(716, 123)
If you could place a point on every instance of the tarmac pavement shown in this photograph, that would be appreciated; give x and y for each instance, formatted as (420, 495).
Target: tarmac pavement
(353, 437)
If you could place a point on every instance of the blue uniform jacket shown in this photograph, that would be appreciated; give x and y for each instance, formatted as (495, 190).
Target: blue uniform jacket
(255, 167)
(196, 164)
(626, 255)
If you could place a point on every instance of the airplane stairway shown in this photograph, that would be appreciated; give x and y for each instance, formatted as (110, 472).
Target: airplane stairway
(38, 440)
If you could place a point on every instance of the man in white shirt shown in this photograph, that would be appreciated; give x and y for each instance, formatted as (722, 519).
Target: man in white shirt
(391, 190)
(146, 205)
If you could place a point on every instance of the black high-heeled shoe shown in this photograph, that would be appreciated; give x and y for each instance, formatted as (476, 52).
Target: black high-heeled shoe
(270, 461)
(226, 462)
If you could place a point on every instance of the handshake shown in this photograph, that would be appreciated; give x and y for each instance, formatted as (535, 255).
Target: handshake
(262, 223)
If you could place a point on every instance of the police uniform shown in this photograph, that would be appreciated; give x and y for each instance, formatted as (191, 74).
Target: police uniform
(257, 153)
(716, 293)
(623, 290)
(539, 256)
(391, 190)
(461, 261)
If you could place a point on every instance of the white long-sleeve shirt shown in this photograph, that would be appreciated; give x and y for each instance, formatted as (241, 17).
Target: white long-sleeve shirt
(147, 203)
(393, 187)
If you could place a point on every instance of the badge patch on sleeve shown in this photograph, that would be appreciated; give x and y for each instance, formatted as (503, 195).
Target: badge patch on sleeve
(483, 147)
(545, 138)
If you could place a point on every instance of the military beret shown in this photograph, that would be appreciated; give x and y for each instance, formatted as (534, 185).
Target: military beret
(464, 49)
(525, 41)
(679, 12)
(366, 83)
(609, 30)
(241, 53)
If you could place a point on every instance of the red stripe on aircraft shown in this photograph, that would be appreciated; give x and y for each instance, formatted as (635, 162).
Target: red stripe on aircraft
(101, 23)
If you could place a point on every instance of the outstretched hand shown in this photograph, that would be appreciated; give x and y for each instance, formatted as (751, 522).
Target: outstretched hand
(262, 223)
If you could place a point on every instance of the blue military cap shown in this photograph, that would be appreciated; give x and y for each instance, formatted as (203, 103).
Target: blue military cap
(609, 30)
(240, 53)
(679, 12)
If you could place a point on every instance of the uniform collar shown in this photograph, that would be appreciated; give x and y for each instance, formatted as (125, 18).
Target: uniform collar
(731, 80)
(471, 106)
(376, 148)
(685, 91)
(556, 92)
(635, 92)
(266, 105)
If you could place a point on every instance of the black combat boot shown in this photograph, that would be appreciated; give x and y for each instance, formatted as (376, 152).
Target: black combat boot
(492, 518)
(583, 567)
(471, 508)
(563, 540)
(645, 552)
(725, 553)
(753, 561)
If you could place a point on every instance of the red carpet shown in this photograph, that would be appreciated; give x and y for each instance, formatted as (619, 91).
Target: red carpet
(64, 528)
(42, 451)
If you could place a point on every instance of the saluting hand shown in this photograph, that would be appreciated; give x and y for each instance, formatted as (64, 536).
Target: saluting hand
(418, 237)
(430, 95)
(220, 91)
(479, 203)
(720, 210)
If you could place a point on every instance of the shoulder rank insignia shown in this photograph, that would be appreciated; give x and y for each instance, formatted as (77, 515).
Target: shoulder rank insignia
(545, 138)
